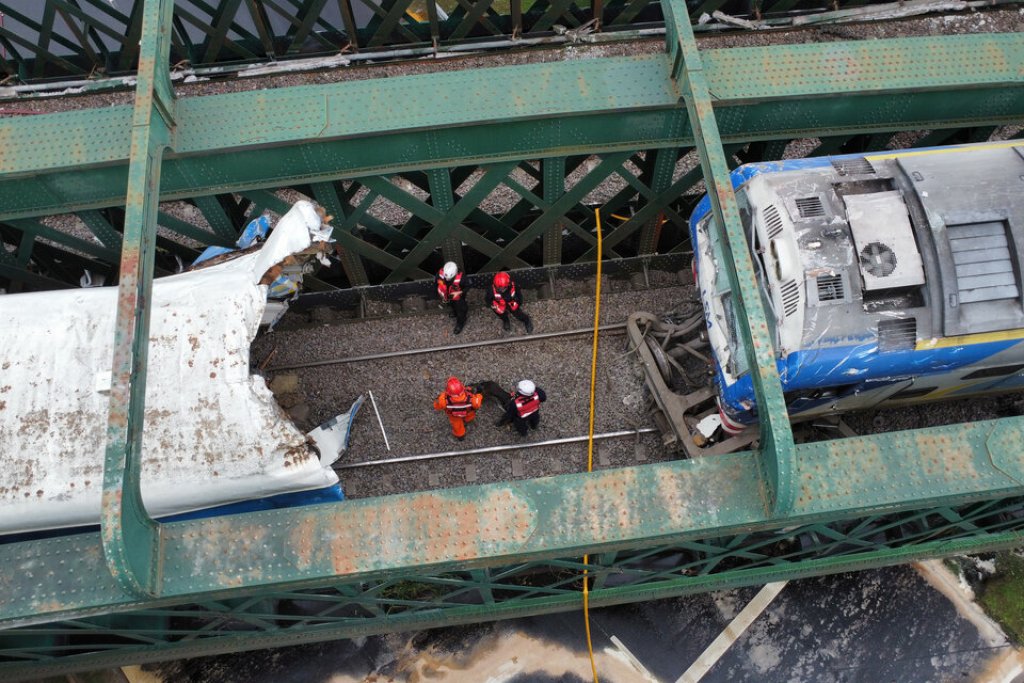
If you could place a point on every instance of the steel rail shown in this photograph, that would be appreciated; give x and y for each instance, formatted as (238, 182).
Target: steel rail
(454, 347)
(494, 449)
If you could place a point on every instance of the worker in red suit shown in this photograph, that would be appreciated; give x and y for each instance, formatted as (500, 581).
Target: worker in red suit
(460, 404)
(523, 409)
(449, 288)
(504, 298)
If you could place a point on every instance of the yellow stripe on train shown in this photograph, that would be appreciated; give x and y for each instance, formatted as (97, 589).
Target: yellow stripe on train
(968, 339)
(945, 150)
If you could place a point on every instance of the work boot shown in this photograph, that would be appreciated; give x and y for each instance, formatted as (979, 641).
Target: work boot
(505, 324)
(529, 325)
(458, 327)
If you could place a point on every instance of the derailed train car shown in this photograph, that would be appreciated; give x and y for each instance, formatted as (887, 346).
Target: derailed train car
(887, 278)
(214, 441)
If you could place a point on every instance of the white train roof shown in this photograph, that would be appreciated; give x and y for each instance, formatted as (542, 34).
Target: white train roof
(213, 432)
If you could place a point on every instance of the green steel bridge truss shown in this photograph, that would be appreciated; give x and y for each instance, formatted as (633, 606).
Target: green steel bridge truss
(138, 590)
(87, 39)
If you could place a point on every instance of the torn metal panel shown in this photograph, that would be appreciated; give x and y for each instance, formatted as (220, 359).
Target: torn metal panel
(331, 437)
(213, 434)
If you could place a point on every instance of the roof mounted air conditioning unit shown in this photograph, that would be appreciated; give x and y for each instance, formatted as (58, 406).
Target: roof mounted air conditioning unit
(885, 242)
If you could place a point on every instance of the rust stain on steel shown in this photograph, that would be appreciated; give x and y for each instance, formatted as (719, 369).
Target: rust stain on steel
(303, 543)
(432, 528)
(584, 87)
(947, 457)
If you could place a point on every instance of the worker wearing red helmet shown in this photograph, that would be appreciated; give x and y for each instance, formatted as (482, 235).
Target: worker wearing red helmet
(504, 298)
(523, 409)
(460, 404)
(449, 288)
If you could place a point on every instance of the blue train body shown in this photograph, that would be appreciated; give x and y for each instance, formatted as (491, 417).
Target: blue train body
(887, 278)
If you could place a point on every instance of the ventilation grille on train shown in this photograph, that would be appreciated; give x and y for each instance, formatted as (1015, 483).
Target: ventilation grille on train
(897, 335)
(810, 207)
(878, 259)
(860, 166)
(772, 221)
(984, 267)
(830, 288)
(790, 297)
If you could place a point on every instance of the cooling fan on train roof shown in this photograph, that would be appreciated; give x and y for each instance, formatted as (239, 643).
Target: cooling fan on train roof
(878, 259)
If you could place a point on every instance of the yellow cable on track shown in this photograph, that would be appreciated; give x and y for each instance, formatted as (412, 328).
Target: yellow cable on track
(590, 437)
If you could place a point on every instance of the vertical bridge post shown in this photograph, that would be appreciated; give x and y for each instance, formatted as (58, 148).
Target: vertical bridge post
(131, 539)
(776, 450)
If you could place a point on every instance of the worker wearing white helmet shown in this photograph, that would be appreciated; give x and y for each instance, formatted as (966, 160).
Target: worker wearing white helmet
(449, 288)
(523, 409)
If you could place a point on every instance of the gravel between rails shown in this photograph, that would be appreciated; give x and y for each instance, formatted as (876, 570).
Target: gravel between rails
(405, 387)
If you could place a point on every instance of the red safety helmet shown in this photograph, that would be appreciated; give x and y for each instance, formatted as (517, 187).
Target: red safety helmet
(502, 280)
(454, 387)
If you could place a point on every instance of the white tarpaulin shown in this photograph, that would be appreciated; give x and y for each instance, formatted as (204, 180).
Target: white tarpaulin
(213, 432)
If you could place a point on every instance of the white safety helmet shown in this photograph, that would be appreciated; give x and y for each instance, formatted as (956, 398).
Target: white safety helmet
(450, 270)
(526, 387)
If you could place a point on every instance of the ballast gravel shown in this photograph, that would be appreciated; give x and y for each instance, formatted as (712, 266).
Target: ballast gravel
(405, 387)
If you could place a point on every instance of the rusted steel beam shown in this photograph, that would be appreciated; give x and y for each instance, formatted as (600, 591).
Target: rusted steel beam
(130, 537)
(776, 450)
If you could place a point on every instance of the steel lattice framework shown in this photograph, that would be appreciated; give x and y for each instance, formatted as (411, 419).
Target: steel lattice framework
(140, 591)
(90, 38)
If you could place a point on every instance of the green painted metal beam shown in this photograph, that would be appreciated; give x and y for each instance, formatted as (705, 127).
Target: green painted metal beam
(504, 524)
(221, 33)
(552, 188)
(442, 197)
(661, 170)
(776, 435)
(131, 539)
(309, 133)
(327, 196)
(184, 643)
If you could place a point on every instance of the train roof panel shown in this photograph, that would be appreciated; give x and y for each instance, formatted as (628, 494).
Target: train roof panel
(972, 200)
(213, 432)
(884, 240)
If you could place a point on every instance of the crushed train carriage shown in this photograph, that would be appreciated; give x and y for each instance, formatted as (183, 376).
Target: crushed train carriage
(215, 441)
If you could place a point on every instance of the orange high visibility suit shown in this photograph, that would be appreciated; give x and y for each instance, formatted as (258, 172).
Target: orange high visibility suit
(460, 405)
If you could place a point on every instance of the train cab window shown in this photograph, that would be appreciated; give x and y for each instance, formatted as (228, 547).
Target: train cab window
(995, 372)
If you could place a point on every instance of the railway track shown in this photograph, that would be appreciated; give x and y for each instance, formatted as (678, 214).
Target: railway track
(405, 361)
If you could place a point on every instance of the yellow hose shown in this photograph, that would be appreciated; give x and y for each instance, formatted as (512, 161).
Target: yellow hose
(590, 437)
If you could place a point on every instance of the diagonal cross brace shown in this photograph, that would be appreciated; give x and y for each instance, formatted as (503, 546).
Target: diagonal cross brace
(131, 539)
(776, 453)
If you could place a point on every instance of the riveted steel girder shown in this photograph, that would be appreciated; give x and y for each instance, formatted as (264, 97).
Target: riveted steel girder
(130, 536)
(80, 38)
(78, 160)
(501, 525)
